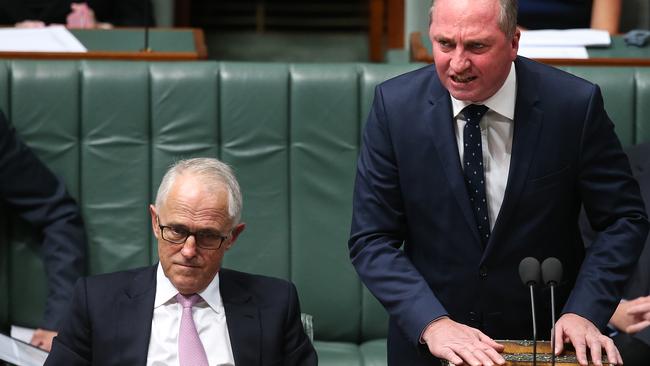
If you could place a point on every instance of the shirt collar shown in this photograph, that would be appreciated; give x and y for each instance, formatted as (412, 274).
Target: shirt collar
(502, 102)
(166, 292)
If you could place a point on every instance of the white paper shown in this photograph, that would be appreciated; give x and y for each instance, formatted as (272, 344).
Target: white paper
(48, 39)
(565, 37)
(21, 333)
(19, 353)
(578, 52)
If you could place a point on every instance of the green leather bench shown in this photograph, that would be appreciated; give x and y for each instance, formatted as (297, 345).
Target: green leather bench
(291, 132)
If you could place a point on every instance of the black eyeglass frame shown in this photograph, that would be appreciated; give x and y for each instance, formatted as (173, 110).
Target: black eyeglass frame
(187, 235)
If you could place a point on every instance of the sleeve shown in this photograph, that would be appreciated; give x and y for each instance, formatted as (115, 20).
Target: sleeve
(299, 350)
(39, 197)
(72, 346)
(614, 208)
(379, 228)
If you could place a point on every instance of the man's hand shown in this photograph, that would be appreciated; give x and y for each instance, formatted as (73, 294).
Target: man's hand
(639, 312)
(460, 344)
(583, 334)
(43, 339)
(81, 16)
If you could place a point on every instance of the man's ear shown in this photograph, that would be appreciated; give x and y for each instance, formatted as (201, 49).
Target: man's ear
(515, 43)
(235, 234)
(154, 221)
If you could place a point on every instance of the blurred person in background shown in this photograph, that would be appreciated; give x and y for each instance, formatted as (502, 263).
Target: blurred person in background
(73, 14)
(565, 14)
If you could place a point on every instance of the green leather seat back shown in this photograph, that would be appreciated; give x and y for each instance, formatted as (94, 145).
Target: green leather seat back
(618, 85)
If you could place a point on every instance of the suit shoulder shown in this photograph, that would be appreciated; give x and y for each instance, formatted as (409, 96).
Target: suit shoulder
(252, 279)
(552, 76)
(264, 288)
(410, 79)
(115, 279)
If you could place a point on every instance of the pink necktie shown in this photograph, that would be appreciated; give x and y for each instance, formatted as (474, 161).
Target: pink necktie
(190, 348)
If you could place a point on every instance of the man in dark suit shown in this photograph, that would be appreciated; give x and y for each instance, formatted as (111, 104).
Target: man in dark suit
(474, 163)
(632, 316)
(151, 315)
(31, 191)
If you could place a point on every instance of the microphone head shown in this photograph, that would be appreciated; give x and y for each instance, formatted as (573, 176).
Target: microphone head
(529, 271)
(552, 271)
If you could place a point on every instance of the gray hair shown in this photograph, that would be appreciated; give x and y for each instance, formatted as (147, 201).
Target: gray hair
(213, 173)
(507, 16)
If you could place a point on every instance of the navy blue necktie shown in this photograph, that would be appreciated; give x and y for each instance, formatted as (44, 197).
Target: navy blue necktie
(473, 168)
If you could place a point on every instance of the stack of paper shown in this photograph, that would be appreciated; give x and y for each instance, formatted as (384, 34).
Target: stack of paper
(48, 39)
(568, 43)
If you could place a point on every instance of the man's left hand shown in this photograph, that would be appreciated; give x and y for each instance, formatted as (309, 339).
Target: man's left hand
(583, 334)
(42, 339)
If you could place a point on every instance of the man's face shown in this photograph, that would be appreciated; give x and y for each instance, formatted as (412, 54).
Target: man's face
(471, 54)
(189, 206)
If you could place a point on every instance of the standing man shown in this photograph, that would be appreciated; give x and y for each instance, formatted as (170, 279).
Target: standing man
(474, 163)
(186, 310)
(33, 192)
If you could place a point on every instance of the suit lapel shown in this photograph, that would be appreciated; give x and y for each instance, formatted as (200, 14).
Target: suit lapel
(527, 125)
(134, 314)
(441, 125)
(243, 319)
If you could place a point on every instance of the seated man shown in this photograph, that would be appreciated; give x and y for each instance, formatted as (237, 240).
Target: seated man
(632, 317)
(31, 191)
(186, 310)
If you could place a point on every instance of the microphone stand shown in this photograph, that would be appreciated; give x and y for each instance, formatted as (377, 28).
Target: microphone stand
(147, 15)
(552, 285)
(532, 306)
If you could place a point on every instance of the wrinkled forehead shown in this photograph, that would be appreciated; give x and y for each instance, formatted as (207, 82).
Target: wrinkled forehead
(465, 12)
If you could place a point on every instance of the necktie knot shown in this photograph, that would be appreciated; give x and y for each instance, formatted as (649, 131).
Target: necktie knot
(188, 301)
(473, 113)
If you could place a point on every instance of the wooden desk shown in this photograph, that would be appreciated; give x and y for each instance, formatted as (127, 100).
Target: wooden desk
(166, 44)
(618, 54)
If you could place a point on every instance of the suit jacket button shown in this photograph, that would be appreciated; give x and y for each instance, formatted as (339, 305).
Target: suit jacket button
(483, 272)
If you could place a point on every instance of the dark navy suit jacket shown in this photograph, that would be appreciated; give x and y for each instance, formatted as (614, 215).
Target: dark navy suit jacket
(110, 321)
(414, 241)
(639, 283)
(31, 191)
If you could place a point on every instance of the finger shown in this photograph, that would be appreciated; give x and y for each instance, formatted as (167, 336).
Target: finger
(641, 308)
(581, 351)
(495, 356)
(637, 326)
(490, 342)
(468, 356)
(613, 356)
(596, 350)
(482, 355)
(559, 340)
(450, 356)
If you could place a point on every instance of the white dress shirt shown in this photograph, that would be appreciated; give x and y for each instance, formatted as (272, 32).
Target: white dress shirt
(209, 317)
(496, 137)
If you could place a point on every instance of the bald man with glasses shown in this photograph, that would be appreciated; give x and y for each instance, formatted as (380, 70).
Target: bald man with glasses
(187, 310)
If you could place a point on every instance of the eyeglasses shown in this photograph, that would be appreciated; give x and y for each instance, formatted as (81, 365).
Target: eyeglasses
(205, 239)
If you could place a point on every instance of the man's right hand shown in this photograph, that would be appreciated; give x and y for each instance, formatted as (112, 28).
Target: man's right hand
(460, 344)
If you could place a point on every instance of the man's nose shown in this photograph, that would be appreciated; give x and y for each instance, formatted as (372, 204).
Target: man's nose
(189, 247)
(459, 62)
